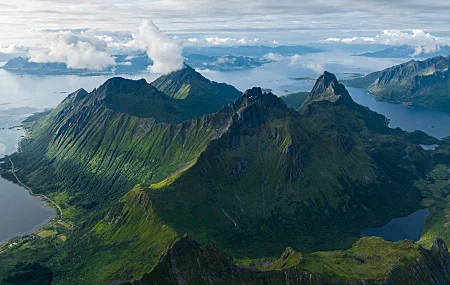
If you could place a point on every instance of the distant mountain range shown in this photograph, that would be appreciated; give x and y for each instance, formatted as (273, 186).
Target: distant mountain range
(406, 51)
(149, 176)
(213, 58)
(420, 83)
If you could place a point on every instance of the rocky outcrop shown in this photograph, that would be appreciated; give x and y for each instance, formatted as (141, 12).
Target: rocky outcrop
(433, 267)
(327, 88)
(187, 262)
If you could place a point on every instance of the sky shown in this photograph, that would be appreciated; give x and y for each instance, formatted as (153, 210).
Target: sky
(283, 21)
(85, 33)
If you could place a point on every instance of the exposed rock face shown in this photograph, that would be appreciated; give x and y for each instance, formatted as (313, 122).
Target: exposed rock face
(327, 88)
(186, 262)
(433, 267)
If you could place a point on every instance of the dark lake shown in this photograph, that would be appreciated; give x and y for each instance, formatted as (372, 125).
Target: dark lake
(410, 227)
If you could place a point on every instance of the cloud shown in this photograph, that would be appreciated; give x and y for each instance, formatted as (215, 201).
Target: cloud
(13, 49)
(295, 60)
(422, 41)
(273, 57)
(316, 66)
(164, 51)
(229, 41)
(75, 50)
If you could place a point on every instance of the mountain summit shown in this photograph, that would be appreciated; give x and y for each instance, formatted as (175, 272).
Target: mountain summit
(327, 88)
(199, 94)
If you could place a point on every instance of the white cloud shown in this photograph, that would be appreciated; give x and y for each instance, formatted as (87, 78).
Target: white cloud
(192, 40)
(273, 57)
(75, 50)
(164, 51)
(422, 42)
(13, 49)
(316, 66)
(295, 60)
(229, 41)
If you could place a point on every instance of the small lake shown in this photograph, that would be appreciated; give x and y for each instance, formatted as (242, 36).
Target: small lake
(406, 228)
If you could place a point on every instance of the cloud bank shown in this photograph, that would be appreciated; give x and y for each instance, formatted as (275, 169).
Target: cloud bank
(77, 51)
(164, 51)
(422, 41)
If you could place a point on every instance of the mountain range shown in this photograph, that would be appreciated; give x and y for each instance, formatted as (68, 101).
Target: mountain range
(213, 58)
(420, 83)
(406, 51)
(188, 181)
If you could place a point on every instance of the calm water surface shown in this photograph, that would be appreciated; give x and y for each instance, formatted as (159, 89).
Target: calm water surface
(410, 227)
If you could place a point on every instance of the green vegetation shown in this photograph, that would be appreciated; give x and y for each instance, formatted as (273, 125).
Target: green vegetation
(436, 189)
(253, 178)
(199, 96)
(295, 100)
(421, 83)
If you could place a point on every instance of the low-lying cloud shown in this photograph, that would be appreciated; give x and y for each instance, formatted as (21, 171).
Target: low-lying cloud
(422, 41)
(164, 51)
(225, 41)
(77, 51)
(13, 49)
(316, 66)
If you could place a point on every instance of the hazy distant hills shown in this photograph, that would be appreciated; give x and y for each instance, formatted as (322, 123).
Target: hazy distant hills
(136, 165)
(406, 51)
(421, 83)
(213, 58)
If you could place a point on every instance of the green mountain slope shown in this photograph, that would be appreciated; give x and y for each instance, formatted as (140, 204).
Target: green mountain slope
(253, 178)
(370, 261)
(200, 95)
(295, 100)
(274, 175)
(421, 83)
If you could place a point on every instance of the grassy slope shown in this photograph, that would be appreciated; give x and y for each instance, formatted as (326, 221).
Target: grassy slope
(274, 179)
(295, 100)
(420, 83)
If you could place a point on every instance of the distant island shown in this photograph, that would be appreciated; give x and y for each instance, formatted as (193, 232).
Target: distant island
(419, 83)
(406, 51)
(212, 58)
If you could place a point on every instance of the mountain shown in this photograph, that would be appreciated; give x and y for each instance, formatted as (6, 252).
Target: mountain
(124, 64)
(253, 178)
(225, 62)
(295, 100)
(406, 51)
(187, 262)
(251, 51)
(214, 58)
(420, 83)
(198, 94)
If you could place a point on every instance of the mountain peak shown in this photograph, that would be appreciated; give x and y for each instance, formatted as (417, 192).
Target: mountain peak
(327, 81)
(327, 88)
(267, 99)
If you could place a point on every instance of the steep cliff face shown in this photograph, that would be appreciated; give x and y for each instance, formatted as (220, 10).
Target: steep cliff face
(186, 262)
(432, 267)
(421, 83)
